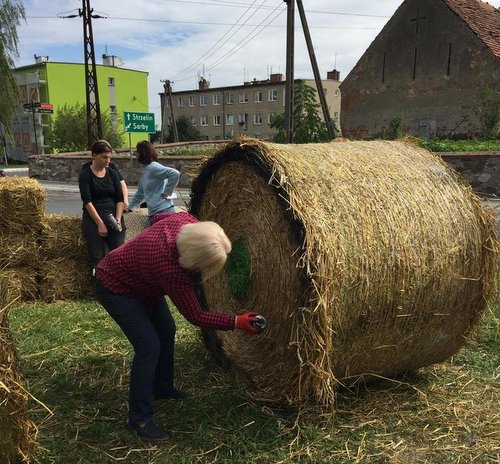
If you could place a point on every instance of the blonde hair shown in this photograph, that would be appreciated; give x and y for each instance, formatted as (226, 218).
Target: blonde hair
(203, 246)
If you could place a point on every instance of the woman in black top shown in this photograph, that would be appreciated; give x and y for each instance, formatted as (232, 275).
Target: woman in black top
(102, 195)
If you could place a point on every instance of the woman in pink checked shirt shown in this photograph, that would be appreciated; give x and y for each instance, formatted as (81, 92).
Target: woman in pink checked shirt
(131, 282)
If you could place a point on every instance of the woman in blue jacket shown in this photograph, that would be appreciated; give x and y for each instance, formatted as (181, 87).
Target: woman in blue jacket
(157, 182)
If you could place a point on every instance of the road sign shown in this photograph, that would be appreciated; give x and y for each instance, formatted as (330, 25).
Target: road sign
(139, 122)
(38, 107)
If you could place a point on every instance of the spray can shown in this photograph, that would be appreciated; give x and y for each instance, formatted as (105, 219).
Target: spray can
(113, 223)
(259, 323)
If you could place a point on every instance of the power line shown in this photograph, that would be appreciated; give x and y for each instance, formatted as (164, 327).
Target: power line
(208, 54)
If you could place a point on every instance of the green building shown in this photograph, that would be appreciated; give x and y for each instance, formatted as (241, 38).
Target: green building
(57, 84)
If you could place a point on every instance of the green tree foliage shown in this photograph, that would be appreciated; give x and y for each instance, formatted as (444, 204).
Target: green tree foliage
(308, 126)
(185, 130)
(488, 111)
(11, 13)
(69, 130)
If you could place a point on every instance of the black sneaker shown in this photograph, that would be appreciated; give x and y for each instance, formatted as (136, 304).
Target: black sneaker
(173, 394)
(150, 431)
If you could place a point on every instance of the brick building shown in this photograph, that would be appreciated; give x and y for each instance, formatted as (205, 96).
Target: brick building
(432, 65)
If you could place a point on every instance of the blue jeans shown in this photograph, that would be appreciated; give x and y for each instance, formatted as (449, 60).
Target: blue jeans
(151, 331)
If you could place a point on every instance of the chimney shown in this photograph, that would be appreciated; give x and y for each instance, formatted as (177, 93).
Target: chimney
(203, 84)
(41, 59)
(274, 78)
(333, 75)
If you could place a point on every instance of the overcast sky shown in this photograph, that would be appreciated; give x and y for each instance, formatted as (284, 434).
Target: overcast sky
(226, 41)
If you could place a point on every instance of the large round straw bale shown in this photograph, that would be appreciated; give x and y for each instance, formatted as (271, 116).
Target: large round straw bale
(17, 433)
(22, 205)
(62, 237)
(368, 259)
(135, 221)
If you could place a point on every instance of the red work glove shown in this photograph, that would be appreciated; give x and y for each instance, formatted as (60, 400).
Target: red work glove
(244, 322)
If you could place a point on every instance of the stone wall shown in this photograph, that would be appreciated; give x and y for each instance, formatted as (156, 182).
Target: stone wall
(481, 169)
(65, 167)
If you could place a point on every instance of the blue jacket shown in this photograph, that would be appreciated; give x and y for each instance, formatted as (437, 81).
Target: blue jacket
(156, 180)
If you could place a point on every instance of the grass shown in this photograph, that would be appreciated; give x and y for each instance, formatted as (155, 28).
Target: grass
(448, 145)
(75, 361)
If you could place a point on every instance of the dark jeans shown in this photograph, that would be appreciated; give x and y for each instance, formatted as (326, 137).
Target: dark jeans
(98, 246)
(151, 331)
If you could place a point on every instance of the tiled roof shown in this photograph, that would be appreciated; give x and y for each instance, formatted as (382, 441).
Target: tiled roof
(482, 18)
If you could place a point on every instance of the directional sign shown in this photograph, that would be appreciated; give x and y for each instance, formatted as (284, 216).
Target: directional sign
(139, 122)
(38, 107)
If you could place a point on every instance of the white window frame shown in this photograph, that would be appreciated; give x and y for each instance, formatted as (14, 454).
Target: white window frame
(216, 99)
(257, 119)
(203, 120)
(229, 119)
(272, 95)
(243, 97)
(216, 120)
(193, 120)
(180, 102)
(203, 100)
(229, 98)
(258, 96)
(269, 117)
(191, 101)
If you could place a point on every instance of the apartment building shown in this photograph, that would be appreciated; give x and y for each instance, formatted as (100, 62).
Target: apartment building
(56, 84)
(227, 112)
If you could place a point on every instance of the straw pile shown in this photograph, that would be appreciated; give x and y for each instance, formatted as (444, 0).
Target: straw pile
(64, 270)
(17, 433)
(21, 213)
(135, 221)
(368, 259)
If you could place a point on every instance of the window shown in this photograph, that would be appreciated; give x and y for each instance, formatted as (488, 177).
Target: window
(229, 119)
(180, 102)
(270, 117)
(203, 100)
(216, 99)
(272, 95)
(230, 99)
(258, 96)
(191, 101)
(243, 119)
(243, 97)
(217, 120)
(193, 121)
(169, 120)
(257, 119)
(203, 121)
(111, 81)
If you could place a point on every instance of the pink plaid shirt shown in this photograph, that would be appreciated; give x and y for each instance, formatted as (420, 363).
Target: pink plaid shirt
(147, 268)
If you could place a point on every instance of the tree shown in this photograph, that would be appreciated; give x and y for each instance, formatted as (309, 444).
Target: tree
(185, 130)
(308, 126)
(11, 13)
(69, 130)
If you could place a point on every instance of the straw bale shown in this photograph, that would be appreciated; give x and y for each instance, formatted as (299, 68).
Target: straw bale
(17, 433)
(22, 205)
(18, 284)
(62, 237)
(368, 259)
(10, 287)
(18, 250)
(64, 279)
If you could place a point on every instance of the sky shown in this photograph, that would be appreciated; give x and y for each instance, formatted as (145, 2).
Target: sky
(225, 41)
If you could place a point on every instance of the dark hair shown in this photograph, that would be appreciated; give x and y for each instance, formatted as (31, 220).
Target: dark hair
(101, 146)
(146, 152)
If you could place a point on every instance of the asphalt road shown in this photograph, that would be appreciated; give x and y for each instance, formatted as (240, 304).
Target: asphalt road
(65, 198)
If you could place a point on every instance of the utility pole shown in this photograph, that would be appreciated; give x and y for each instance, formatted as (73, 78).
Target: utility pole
(167, 101)
(317, 77)
(290, 32)
(94, 122)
